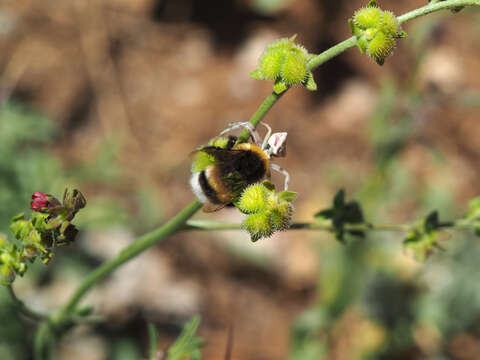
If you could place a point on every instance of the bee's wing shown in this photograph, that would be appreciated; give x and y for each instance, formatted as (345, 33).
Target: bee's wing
(221, 155)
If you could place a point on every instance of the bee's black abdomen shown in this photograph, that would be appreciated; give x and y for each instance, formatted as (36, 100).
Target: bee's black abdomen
(207, 189)
(252, 166)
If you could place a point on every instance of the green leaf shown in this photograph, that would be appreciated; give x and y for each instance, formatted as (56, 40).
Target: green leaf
(187, 344)
(431, 221)
(341, 214)
(325, 214)
(256, 74)
(423, 239)
(354, 28)
(269, 185)
(420, 243)
(362, 44)
(339, 199)
(372, 3)
(310, 83)
(287, 195)
(279, 87)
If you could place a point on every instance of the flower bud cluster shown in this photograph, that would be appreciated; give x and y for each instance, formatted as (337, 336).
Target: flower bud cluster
(267, 210)
(286, 63)
(49, 226)
(376, 31)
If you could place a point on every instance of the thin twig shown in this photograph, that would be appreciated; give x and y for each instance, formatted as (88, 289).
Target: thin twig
(24, 309)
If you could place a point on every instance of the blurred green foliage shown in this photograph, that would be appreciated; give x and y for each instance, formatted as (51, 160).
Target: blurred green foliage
(28, 164)
(371, 299)
(187, 345)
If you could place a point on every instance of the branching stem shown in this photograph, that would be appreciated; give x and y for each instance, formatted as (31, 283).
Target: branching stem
(318, 226)
(24, 309)
(178, 222)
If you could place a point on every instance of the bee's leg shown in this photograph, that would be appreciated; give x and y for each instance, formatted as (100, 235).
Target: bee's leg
(283, 172)
(248, 126)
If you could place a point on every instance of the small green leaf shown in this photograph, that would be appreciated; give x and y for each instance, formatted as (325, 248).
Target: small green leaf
(325, 214)
(431, 221)
(354, 28)
(339, 199)
(279, 87)
(372, 3)
(310, 83)
(420, 243)
(341, 214)
(362, 44)
(287, 195)
(187, 344)
(269, 185)
(423, 239)
(256, 74)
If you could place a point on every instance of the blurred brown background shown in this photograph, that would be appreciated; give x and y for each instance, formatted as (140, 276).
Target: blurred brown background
(158, 78)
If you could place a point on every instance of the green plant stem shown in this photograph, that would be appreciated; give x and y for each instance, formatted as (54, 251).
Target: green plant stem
(319, 226)
(24, 309)
(262, 110)
(332, 52)
(177, 222)
(43, 342)
(132, 250)
(153, 341)
(436, 6)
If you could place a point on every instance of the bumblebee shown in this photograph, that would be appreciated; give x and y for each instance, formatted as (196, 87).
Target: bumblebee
(222, 169)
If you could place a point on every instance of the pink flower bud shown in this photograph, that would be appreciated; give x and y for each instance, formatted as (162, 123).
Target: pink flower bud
(39, 201)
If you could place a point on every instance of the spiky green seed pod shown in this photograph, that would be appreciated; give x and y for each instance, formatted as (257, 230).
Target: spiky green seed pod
(258, 225)
(380, 47)
(271, 64)
(294, 69)
(281, 216)
(376, 31)
(268, 211)
(253, 199)
(367, 17)
(389, 24)
(285, 62)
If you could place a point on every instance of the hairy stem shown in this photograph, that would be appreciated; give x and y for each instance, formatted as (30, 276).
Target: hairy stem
(132, 250)
(332, 52)
(319, 226)
(24, 309)
(153, 341)
(436, 6)
(177, 222)
(262, 110)
(42, 345)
